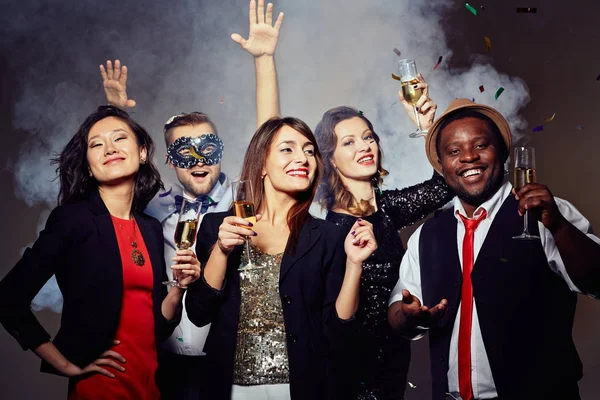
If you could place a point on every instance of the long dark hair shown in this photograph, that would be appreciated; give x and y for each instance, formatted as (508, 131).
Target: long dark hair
(255, 160)
(73, 168)
(332, 192)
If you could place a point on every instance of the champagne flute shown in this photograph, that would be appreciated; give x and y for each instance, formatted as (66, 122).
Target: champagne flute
(409, 78)
(243, 205)
(524, 174)
(185, 233)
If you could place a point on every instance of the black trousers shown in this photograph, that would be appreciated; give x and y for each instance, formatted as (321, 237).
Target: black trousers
(181, 377)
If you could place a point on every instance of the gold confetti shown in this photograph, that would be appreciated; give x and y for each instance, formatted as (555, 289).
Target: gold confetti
(488, 44)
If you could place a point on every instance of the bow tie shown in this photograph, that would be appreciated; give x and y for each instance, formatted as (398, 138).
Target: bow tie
(205, 200)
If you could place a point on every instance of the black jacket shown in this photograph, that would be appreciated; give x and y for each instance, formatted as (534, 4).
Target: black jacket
(309, 283)
(79, 246)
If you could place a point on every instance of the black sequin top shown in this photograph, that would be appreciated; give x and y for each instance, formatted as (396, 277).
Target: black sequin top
(375, 365)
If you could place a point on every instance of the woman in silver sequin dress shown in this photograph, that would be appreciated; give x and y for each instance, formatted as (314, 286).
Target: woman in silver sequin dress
(377, 366)
(274, 329)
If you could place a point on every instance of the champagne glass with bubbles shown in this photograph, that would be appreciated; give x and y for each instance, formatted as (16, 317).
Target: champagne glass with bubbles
(524, 174)
(243, 206)
(409, 78)
(185, 233)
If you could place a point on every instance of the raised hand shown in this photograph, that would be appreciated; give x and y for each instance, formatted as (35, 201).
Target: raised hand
(360, 242)
(263, 35)
(186, 267)
(114, 80)
(426, 107)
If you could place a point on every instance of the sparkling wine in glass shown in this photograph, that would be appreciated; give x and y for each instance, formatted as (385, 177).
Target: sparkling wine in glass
(185, 232)
(524, 174)
(243, 206)
(409, 78)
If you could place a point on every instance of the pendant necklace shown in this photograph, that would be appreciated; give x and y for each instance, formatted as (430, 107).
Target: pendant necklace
(136, 254)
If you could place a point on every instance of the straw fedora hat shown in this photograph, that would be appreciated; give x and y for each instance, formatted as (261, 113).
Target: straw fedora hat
(463, 105)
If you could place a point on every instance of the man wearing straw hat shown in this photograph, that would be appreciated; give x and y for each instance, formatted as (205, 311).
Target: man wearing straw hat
(499, 311)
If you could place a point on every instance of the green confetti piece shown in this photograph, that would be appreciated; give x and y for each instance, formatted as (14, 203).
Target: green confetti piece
(498, 92)
(180, 339)
(470, 8)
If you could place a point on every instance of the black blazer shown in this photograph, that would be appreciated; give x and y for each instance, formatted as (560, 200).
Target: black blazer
(309, 284)
(80, 246)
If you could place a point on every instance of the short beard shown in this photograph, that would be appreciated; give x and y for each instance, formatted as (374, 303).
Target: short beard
(191, 191)
(487, 193)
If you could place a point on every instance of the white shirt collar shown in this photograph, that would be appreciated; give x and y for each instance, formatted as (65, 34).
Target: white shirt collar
(492, 205)
(162, 206)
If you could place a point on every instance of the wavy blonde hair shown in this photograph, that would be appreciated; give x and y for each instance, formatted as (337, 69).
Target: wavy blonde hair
(332, 193)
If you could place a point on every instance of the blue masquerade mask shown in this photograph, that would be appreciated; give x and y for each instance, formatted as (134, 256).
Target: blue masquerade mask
(186, 151)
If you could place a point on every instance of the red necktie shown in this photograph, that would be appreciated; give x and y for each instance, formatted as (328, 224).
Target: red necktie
(466, 309)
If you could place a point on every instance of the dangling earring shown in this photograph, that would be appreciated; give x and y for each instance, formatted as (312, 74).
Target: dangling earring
(143, 161)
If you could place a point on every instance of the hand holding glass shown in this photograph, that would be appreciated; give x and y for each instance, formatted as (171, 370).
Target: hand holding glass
(409, 78)
(243, 207)
(185, 233)
(524, 174)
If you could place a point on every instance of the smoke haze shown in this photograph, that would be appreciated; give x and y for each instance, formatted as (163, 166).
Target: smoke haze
(181, 59)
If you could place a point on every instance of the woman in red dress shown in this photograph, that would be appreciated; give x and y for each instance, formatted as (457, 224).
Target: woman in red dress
(107, 256)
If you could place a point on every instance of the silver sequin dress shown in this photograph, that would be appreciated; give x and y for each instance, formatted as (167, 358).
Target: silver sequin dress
(376, 365)
(260, 352)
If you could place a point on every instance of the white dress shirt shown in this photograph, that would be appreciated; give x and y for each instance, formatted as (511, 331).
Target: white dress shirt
(187, 339)
(410, 279)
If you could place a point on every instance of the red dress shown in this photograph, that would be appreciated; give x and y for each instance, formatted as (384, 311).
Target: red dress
(135, 331)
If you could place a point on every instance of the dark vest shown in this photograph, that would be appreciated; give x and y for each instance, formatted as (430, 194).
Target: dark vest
(525, 310)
